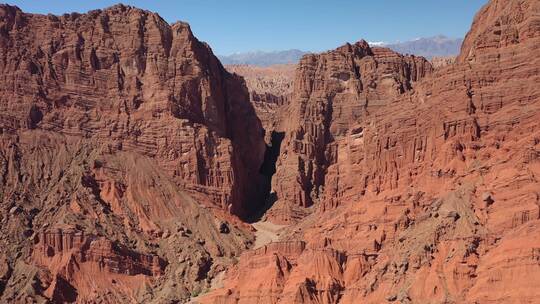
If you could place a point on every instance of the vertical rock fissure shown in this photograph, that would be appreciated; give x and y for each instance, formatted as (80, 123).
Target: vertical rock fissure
(268, 169)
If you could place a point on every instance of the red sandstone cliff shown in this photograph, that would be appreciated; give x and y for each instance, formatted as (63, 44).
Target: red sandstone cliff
(126, 78)
(117, 125)
(428, 195)
(333, 92)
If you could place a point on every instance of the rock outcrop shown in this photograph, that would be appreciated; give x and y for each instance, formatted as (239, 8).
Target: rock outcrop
(91, 263)
(440, 62)
(126, 78)
(129, 132)
(333, 91)
(429, 197)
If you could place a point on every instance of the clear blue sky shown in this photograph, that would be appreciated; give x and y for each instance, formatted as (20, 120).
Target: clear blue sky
(313, 25)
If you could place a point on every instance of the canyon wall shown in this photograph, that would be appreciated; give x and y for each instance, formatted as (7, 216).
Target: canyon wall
(127, 79)
(333, 91)
(116, 125)
(430, 194)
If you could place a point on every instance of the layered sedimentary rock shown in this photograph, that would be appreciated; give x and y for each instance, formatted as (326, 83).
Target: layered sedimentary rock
(125, 77)
(270, 90)
(440, 62)
(274, 82)
(332, 92)
(122, 127)
(431, 197)
(91, 263)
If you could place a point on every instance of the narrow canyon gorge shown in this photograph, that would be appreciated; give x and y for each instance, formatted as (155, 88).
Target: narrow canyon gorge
(136, 168)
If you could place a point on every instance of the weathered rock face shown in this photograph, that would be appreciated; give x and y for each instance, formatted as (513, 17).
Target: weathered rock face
(88, 248)
(272, 82)
(501, 26)
(333, 91)
(431, 198)
(440, 62)
(119, 126)
(270, 90)
(89, 262)
(126, 78)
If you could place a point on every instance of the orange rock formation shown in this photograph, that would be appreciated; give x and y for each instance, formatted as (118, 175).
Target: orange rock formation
(130, 160)
(417, 189)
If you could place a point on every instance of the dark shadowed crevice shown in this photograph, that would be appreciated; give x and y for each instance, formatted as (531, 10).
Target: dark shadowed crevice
(64, 291)
(267, 170)
(34, 117)
(271, 155)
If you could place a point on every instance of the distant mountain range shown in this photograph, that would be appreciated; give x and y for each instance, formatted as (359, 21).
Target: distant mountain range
(437, 46)
(261, 58)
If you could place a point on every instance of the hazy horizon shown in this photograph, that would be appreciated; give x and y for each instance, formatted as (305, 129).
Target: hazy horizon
(371, 43)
